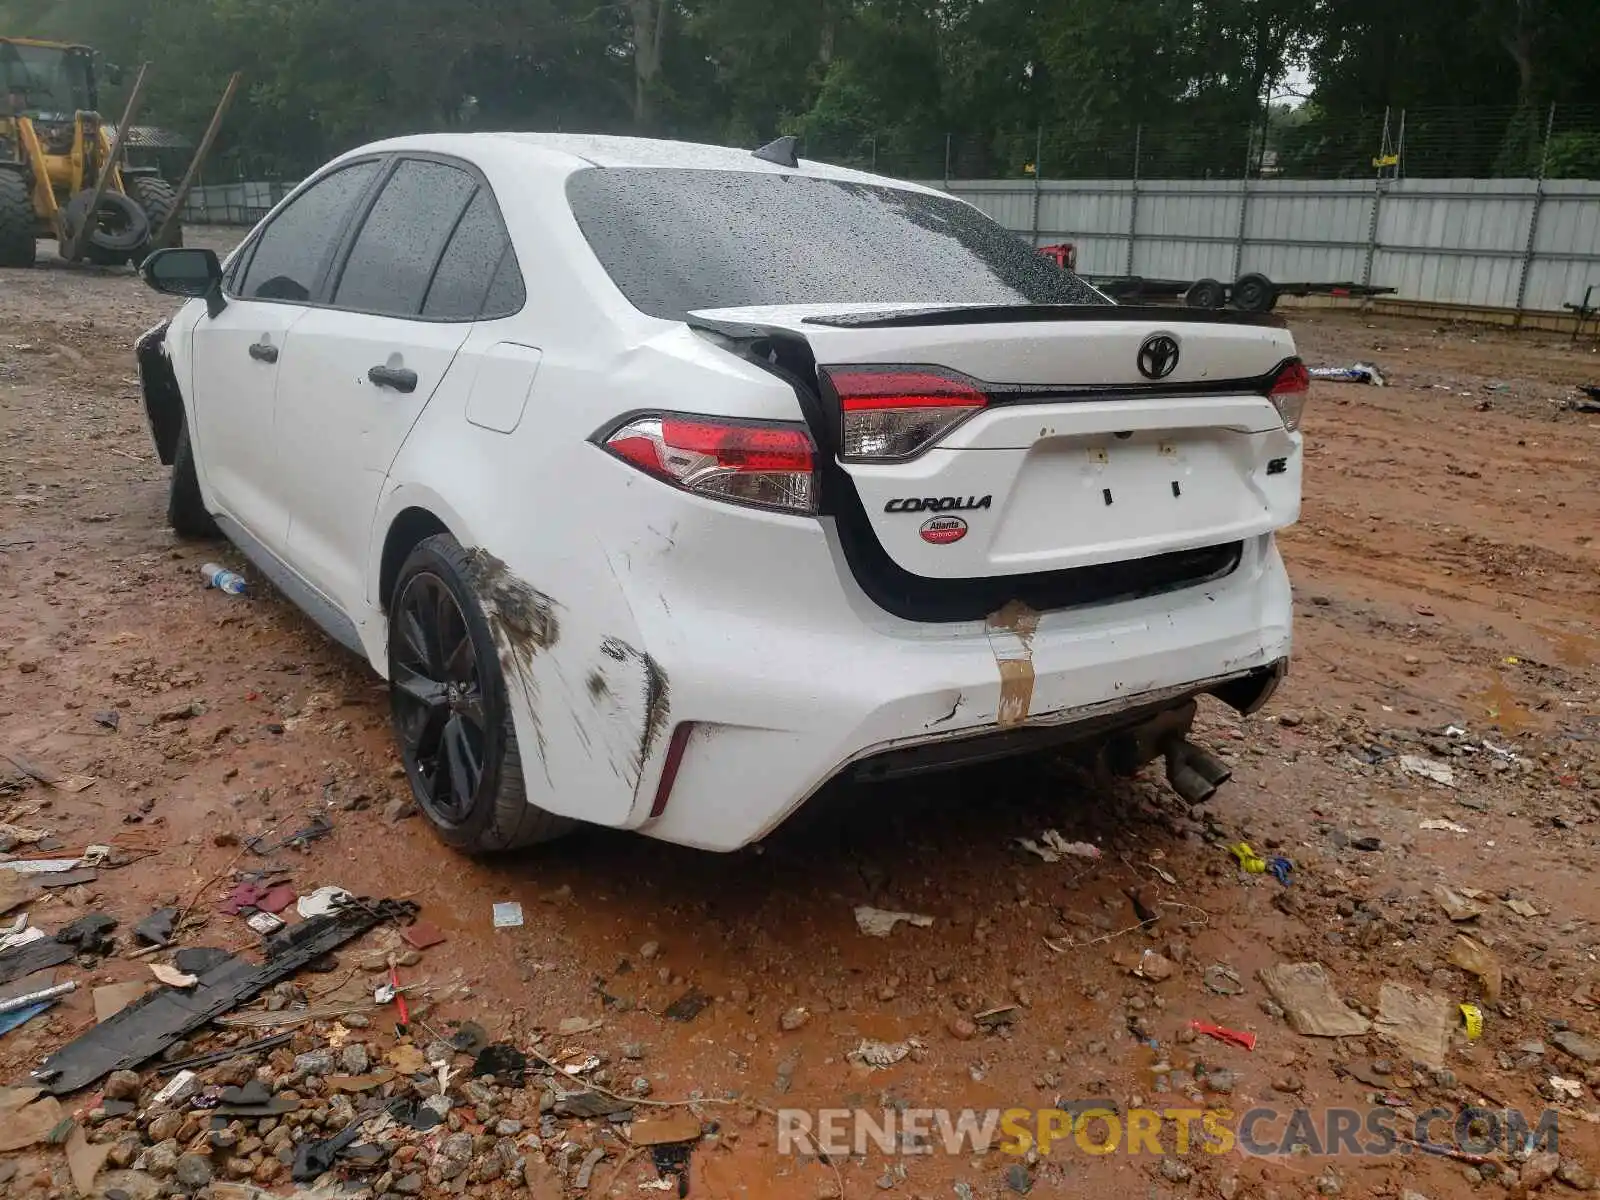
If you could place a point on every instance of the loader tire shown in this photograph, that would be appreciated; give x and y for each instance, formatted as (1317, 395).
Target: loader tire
(156, 197)
(17, 245)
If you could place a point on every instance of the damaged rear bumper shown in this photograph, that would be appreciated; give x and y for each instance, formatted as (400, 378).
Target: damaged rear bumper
(876, 700)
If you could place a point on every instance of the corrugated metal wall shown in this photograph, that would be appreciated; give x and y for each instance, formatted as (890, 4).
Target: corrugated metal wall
(1501, 243)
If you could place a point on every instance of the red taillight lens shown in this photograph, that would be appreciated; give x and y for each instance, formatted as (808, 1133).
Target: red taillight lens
(895, 413)
(1289, 391)
(767, 465)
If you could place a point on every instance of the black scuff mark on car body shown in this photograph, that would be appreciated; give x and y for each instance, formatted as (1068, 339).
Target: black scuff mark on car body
(657, 696)
(524, 624)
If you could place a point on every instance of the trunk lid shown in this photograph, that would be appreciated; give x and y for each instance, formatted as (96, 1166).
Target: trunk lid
(1073, 455)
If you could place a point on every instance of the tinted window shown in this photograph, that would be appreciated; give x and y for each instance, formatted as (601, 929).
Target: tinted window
(401, 240)
(292, 253)
(506, 294)
(677, 240)
(468, 267)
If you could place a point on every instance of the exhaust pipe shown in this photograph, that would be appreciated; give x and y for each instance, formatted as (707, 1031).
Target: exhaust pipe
(1194, 773)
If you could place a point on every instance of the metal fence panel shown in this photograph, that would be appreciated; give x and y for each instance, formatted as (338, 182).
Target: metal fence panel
(1489, 242)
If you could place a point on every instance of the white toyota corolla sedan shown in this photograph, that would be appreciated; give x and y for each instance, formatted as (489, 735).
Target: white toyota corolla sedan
(665, 483)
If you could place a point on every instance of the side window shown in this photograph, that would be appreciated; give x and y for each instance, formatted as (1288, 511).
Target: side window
(400, 242)
(468, 271)
(291, 254)
(506, 294)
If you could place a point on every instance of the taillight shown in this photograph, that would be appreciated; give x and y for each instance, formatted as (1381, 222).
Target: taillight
(766, 464)
(1289, 391)
(895, 413)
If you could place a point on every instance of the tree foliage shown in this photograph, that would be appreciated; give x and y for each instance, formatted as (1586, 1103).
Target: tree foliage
(903, 83)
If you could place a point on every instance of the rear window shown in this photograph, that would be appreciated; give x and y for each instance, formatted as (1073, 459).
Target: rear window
(678, 240)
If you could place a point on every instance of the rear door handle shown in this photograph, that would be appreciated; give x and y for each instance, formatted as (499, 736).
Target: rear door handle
(264, 352)
(401, 379)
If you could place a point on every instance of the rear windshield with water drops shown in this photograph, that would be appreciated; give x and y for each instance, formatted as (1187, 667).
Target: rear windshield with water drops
(676, 240)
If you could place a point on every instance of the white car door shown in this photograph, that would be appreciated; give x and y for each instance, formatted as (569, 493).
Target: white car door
(240, 353)
(365, 366)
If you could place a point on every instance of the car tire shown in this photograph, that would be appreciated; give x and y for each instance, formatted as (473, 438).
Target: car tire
(186, 509)
(450, 712)
(1204, 293)
(1254, 293)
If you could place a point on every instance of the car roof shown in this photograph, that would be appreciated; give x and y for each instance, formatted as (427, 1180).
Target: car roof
(602, 150)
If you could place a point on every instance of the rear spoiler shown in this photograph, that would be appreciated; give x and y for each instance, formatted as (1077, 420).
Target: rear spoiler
(1003, 314)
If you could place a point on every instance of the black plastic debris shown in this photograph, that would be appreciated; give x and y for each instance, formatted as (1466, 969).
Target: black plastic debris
(687, 1006)
(588, 1105)
(35, 956)
(504, 1061)
(319, 827)
(157, 928)
(197, 960)
(469, 1038)
(88, 935)
(62, 879)
(254, 1092)
(219, 1056)
(412, 1113)
(312, 1159)
(109, 719)
(117, 1108)
(672, 1161)
(149, 1025)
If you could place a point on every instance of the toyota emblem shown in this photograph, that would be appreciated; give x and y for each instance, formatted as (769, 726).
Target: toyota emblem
(1158, 355)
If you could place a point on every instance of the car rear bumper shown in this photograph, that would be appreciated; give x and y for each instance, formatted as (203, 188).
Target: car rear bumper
(770, 702)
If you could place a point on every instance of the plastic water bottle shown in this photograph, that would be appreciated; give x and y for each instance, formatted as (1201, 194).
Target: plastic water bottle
(223, 579)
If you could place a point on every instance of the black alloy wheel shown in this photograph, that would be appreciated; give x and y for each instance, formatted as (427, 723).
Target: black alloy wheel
(437, 695)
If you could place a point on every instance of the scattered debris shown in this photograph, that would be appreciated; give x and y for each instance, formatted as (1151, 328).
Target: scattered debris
(146, 1028)
(45, 775)
(1472, 1020)
(319, 827)
(1307, 998)
(993, 1018)
(1223, 980)
(38, 866)
(157, 928)
(173, 977)
(35, 955)
(502, 1060)
(421, 935)
(1052, 847)
(878, 922)
(1355, 373)
(1574, 1044)
(1476, 959)
(573, 1026)
(1457, 906)
(24, 1120)
(1428, 768)
(1233, 1037)
(1522, 907)
(65, 879)
(877, 1054)
(323, 902)
(264, 923)
(226, 1055)
(89, 934)
(675, 1127)
(1566, 1089)
(687, 1006)
(507, 914)
(1439, 823)
(114, 997)
(1419, 1022)
(1154, 966)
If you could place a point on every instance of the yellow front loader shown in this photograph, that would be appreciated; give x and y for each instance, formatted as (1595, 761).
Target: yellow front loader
(53, 146)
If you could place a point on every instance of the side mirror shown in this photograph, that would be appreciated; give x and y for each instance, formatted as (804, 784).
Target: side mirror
(183, 271)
